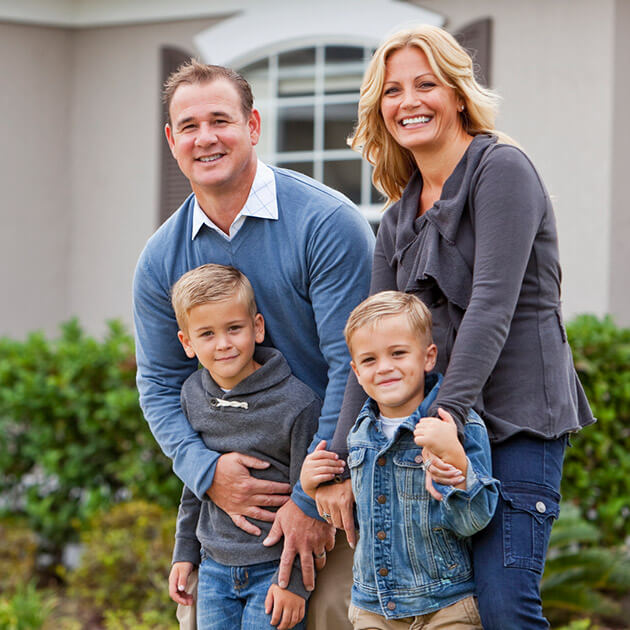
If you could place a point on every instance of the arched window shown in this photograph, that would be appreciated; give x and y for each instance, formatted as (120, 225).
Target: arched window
(308, 102)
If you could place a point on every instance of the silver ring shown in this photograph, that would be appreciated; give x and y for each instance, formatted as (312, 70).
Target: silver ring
(326, 516)
(428, 463)
(321, 555)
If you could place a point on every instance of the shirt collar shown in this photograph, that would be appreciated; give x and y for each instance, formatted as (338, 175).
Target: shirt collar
(261, 203)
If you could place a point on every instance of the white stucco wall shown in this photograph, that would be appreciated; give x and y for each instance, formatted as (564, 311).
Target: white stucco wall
(553, 66)
(115, 160)
(34, 177)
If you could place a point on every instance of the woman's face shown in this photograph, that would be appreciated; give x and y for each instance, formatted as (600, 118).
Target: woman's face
(420, 113)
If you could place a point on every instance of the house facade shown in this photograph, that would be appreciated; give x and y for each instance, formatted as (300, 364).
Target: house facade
(85, 178)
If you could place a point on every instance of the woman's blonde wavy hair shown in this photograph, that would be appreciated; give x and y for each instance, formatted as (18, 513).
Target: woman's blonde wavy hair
(453, 66)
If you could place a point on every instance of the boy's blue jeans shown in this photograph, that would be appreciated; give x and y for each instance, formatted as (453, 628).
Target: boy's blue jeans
(509, 554)
(230, 598)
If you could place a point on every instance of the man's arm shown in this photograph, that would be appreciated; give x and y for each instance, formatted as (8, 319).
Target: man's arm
(339, 259)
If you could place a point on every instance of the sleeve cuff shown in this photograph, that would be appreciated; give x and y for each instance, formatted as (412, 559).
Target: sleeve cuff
(304, 502)
(187, 550)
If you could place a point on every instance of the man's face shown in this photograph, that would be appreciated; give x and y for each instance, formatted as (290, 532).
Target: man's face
(211, 138)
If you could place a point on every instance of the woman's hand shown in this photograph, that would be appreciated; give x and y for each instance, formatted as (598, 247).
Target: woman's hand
(335, 502)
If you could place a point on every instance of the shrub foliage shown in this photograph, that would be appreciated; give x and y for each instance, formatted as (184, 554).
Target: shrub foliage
(72, 436)
(597, 469)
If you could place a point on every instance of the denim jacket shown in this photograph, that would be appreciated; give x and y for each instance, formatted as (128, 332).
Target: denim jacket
(413, 553)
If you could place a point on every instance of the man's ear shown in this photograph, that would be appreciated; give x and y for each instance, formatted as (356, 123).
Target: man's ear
(254, 125)
(168, 132)
(430, 358)
(185, 341)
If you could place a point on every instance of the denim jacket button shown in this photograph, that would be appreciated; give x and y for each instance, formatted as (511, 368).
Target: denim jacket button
(381, 461)
(381, 535)
(418, 459)
(383, 572)
(541, 507)
(381, 499)
(391, 605)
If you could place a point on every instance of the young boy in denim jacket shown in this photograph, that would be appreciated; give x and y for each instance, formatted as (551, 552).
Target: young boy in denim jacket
(412, 564)
(245, 400)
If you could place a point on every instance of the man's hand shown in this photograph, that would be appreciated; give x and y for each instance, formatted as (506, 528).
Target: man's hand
(177, 583)
(337, 500)
(318, 467)
(303, 535)
(239, 494)
(286, 608)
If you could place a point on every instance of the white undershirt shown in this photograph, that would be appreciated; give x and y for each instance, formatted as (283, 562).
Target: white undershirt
(389, 425)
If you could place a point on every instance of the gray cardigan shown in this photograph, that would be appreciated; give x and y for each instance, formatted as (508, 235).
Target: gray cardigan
(275, 421)
(485, 260)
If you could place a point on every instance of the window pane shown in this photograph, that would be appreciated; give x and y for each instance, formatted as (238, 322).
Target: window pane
(301, 167)
(338, 125)
(297, 85)
(336, 54)
(345, 176)
(297, 57)
(295, 128)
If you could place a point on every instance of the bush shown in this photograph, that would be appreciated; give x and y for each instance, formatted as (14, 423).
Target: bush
(125, 563)
(581, 576)
(18, 555)
(72, 436)
(597, 468)
(26, 609)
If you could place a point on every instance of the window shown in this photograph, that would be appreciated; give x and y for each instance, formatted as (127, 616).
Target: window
(308, 102)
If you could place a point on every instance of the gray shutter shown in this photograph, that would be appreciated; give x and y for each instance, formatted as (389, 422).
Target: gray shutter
(174, 187)
(476, 38)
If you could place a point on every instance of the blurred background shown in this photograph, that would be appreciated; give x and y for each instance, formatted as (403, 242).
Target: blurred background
(86, 177)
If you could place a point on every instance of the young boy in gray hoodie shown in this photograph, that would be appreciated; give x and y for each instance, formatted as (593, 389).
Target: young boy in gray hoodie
(244, 400)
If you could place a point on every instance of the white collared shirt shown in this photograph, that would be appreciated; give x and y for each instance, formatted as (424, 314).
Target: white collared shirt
(261, 203)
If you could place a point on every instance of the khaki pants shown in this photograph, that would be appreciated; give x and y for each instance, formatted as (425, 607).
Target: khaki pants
(187, 615)
(462, 615)
(328, 605)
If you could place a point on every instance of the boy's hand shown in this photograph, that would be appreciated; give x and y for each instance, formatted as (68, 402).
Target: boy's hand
(444, 456)
(437, 434)
(286, 608)
(177, 583)
(318, 467)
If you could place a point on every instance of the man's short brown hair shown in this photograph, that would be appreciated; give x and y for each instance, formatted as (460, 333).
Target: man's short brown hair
(385, 304)
(210, 283)
(194, 72)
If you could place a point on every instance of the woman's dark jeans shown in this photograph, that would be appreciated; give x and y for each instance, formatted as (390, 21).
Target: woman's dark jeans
(509, 555)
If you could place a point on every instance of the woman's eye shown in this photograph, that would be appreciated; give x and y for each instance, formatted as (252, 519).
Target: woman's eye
(427, 85)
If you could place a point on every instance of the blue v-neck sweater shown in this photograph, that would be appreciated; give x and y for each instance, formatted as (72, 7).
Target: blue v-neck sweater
(309, 269)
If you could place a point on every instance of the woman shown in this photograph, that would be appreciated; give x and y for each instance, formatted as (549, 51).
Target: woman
(471, 231)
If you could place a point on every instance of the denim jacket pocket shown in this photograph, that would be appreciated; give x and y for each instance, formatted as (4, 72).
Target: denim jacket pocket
(409, 474)
(356, 456)
(528, 515)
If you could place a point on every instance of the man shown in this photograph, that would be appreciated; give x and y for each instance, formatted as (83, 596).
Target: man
(307, 252)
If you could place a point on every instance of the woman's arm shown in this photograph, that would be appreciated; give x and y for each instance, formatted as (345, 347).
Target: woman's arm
(509, 204)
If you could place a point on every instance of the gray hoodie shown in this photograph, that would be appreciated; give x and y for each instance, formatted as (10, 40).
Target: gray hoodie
(270, 415)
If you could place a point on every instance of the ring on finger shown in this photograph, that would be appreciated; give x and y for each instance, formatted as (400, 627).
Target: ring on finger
(428, 463)
(326, 516)
(321, 555)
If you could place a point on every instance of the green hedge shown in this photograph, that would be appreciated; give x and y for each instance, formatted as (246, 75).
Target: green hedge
(73, 440)
(597, 467)
(72, 437)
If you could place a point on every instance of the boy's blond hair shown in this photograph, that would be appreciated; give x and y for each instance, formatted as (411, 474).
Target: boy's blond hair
(210, 283)
(387, 303)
